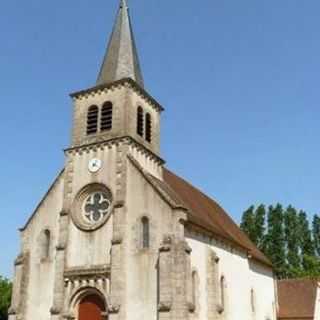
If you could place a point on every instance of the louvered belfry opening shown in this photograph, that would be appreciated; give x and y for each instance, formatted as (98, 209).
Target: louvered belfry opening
(148, 127)
(92, 120)
(140, 121)
(106, 116)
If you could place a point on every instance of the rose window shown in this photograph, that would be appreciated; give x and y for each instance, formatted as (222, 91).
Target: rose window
(96, 206)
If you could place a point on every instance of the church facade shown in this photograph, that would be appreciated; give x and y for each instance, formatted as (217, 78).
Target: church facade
(119, 236)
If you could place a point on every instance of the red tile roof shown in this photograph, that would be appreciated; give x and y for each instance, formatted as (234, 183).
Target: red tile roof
(208, 214)
(297, 299)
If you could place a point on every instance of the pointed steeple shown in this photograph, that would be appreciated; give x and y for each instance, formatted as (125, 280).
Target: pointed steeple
(121, 59)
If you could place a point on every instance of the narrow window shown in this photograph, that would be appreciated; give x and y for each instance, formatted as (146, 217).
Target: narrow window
(45, 244)
(145, 233)
(148, 127)
(92, 120)
(253, 307)
(140, 121)
(106, 117)
(194, 289)
(222, 292)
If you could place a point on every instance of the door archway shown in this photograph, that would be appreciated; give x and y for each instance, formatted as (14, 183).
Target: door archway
(92, 307)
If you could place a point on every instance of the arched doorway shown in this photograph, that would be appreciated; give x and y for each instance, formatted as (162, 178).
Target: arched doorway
(92, 307)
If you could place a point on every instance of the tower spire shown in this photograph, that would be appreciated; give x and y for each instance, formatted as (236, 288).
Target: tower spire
(121, 59)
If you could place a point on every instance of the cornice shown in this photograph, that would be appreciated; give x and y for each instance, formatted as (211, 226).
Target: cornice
(115, 141)
(125, 82)
(77, 273)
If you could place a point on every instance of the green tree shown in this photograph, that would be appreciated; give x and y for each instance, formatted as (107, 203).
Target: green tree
(275, 240)
(306, 242)
(5, 297)
(259, 224)
(291, 229)
(312, 268)
(316, 233)
(248, 223)
(286, 238)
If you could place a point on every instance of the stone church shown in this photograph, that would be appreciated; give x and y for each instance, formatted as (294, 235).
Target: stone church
(118, 235)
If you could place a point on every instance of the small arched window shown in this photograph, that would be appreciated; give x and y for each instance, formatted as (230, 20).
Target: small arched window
(148, 127)
(92, 120)
(45, 244)
(145, 232)
(106, 117)
(140, 121)
(222, 293)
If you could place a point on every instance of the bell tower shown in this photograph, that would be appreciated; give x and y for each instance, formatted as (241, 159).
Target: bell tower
(115, 123)
(118, 106)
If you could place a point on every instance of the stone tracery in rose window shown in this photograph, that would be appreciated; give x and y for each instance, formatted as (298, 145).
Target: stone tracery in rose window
(96, 206)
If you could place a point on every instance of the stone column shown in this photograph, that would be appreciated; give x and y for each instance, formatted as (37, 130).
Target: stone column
(60, 259)
(215, 311)
(182, 274)
(174, 275)
(165, 279)
(58, 293)
(118, 274)
(17, 309)
(118, 251)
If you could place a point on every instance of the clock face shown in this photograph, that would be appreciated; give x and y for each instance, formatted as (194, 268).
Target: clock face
(94, 165)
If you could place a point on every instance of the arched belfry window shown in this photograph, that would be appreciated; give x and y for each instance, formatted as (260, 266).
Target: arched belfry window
(140, 121)
(106, 116)
(145, 232)
(148, 127)
(92, 120)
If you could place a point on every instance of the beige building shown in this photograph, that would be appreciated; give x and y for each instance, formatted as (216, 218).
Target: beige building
(119, 236)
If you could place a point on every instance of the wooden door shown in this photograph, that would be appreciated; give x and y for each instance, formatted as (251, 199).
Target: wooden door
(91, 308)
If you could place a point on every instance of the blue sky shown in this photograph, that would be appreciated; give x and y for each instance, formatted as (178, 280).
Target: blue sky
(239, 81)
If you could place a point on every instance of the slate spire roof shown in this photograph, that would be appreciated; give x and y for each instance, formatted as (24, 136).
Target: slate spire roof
(121, 59)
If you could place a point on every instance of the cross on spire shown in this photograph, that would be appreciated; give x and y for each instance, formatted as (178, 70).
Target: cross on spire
(123, 4)
(121, 59)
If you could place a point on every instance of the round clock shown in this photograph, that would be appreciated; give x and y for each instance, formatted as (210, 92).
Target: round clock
(94, 165)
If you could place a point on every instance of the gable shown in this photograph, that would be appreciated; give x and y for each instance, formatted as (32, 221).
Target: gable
(43, 200)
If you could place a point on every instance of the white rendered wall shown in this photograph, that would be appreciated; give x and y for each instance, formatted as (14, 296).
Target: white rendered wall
(240, 276)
